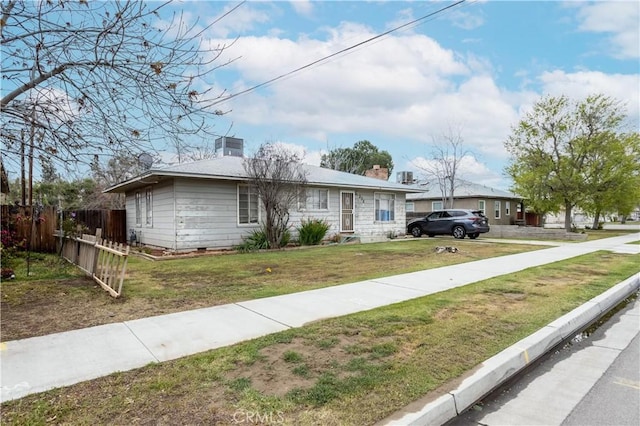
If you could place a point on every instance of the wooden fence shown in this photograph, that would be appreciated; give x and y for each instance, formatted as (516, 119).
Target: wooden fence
(104, 261)
(111, 222)
(33, 232)
(38, 233)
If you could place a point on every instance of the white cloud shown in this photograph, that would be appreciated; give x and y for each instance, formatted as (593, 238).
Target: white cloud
(403, 17)
(302, 7)
(387, 82)
(241, 20)
(406, 87)
(465, 19)
(579, 85)
(618, 18)
(402, 90)
(470, 169)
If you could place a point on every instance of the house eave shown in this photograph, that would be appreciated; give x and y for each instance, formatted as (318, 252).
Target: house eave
(157, 176)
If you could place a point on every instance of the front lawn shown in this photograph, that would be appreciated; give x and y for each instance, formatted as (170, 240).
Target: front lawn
(56, 297)
(351, 370)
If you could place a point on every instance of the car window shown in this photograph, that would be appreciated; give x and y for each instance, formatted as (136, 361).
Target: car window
(445, 214)
(434, 215)
(458, 213)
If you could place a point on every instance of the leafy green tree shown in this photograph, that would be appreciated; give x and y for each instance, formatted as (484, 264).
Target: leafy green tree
(70, 195)
(555, 150)
(357, 160)
(613, 176)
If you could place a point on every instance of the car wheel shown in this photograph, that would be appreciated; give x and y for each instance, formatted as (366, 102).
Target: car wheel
(432, 235)
(473, 236)
(416, 231)
(458, 232)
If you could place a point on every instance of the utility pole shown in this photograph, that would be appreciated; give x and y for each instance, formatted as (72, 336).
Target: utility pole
(23, 192)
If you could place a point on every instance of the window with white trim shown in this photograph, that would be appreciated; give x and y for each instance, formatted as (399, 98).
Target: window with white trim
(149, 207)
(410, 206)
(315, 199)
(507, 208)
(436, 205)
(248, 205)
(385, 206)
(482, 207)
(496, 208)
(138, 209)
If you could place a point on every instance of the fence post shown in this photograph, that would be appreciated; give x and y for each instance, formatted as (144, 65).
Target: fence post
(94, 267)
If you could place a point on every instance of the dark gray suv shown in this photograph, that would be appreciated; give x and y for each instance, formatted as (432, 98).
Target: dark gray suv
(456, 222)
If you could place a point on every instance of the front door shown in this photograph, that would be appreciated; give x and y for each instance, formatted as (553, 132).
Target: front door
(347, 216)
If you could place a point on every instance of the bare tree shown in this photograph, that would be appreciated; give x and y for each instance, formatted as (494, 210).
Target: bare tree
(278, 177)
(444, 163)
(203, 151)
(117, 169)
(93, 77)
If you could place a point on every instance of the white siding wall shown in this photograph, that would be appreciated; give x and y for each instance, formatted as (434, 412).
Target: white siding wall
(161, 232)
(331, 216)
(366, 226)
(204, 215)
(364, 215)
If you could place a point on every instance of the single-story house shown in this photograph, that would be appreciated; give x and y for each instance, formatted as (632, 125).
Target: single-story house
(210, 204)
(501, 207)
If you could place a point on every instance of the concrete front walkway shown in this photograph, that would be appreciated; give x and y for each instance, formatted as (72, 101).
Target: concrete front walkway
(41, 363)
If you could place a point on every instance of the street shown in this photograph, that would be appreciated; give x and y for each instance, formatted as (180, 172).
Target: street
(593, 380)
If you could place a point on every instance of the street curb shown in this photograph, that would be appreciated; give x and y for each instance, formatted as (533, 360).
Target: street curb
(498, 369)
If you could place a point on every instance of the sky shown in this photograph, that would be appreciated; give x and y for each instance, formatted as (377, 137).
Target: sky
(473, 70)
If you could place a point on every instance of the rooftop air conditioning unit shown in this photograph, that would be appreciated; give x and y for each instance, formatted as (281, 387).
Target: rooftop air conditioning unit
(226, 146)
(404, 178)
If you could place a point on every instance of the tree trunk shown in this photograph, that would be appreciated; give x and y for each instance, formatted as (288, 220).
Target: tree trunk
(567, 216)
(596, 220)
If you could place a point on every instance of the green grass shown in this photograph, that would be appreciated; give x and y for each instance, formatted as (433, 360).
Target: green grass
(351, 370)
(597, 234)
(292, 356)
(56, 297)
(38, 266)
(236, 277)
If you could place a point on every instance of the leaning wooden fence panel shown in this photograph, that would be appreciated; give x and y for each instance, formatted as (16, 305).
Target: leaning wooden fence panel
(86, 258)
(104, 261)
(111, 266)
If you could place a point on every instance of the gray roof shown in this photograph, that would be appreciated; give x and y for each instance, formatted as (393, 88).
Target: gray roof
(231, 168)
(464, 189)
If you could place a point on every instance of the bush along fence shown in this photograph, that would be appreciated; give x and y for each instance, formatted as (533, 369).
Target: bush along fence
(104, 261)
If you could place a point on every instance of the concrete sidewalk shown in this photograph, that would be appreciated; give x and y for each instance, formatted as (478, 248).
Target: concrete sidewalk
(41, 363)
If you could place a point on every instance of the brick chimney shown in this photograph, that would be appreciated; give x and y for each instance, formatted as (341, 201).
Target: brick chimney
(378, 172)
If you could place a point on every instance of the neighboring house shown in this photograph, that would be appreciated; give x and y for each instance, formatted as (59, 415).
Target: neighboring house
(210, 204)
(581, 219)
(501, 207)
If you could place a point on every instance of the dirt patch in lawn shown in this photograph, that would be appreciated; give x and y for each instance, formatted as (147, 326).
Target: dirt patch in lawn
(285, 367)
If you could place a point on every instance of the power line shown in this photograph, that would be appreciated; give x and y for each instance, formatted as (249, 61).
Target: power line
(346, 49)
